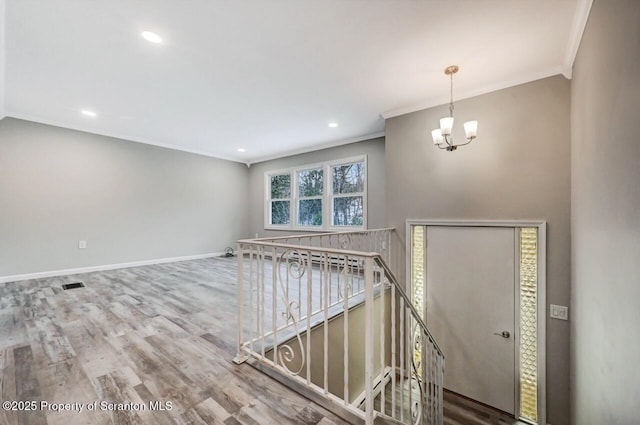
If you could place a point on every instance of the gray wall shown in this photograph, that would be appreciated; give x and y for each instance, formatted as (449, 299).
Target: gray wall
(518, 168)
(605, 171)
(374, 149)
(129, 201)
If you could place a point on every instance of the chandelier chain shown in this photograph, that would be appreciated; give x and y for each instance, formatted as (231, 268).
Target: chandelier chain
(451, 96)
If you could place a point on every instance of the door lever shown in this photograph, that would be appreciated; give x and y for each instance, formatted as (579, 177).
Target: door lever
(504, 334)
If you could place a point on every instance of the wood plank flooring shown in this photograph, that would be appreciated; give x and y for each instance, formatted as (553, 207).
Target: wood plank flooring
(163, 333)
(459, 410)
(155, 334)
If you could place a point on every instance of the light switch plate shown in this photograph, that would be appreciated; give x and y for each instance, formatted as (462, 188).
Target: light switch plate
(82, 244)
(559, 312)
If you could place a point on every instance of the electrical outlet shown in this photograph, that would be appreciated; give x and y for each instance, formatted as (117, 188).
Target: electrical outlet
(82, 244)
(559, 312)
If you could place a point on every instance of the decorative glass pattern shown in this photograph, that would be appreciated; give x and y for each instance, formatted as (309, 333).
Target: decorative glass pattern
(417, 267)
(418, 250)
(529, 323)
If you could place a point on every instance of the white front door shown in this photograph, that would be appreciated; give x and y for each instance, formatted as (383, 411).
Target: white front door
(470, 292)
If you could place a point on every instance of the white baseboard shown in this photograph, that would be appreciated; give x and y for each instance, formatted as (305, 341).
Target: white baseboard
(52, 273)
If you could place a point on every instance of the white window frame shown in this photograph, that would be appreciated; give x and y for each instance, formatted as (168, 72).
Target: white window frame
(267, 215)
(333, 196)
(299, 198)
(327, 196)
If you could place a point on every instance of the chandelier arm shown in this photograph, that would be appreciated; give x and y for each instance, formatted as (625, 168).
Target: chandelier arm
(468, 141)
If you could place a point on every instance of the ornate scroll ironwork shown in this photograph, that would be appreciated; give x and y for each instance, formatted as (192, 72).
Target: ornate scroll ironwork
(295, 265)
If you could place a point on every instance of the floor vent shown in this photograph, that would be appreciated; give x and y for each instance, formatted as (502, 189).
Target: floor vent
(73, 285)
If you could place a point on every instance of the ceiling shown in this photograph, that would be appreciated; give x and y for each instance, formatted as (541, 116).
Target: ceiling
(268, 75)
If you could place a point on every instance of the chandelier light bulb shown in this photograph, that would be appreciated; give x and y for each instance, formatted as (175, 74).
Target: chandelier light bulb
(437, 136)
(446, 125)
(471, 129)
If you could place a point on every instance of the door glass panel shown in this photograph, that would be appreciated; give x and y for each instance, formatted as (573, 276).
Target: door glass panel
(418, 289)
(417, 268)
(528, 323)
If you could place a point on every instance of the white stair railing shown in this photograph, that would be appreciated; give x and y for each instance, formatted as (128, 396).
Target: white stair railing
(374, 240)
(334, 320)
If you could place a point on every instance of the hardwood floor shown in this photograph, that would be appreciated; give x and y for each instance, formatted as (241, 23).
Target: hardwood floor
(459, 410)
(155, 334)
(162, 333)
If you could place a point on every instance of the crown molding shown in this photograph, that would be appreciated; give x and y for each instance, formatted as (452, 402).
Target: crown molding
(429, 103)
(248, 162)
(578, 25)
(314, 148)
(125, 137)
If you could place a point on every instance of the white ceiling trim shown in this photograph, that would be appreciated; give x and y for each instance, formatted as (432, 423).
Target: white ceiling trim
(124, 137)
(580, 18)
(318, 147)
(429, 103)
(3, 31)
(249, 162)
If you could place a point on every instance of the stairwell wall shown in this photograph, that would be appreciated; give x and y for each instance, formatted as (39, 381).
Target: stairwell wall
(517, 169)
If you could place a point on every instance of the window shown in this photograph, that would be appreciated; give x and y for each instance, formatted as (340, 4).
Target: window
(348, 194)
(326, 196)
(280, 205)
(310, 189)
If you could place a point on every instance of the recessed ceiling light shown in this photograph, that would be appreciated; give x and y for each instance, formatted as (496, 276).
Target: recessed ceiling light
(89, 113)
(242, 150)
(333, 124)
(151, 37)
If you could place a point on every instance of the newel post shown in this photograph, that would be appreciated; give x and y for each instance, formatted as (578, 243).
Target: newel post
(240, 357)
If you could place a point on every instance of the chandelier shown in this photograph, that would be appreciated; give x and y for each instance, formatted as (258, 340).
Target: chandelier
(442, 137)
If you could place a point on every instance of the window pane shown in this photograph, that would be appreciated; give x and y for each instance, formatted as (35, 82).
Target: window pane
(347, 211)
(529, 323)
(310, 183)
(348, 178)
(281, 186)
(310, 212)
(280, 212)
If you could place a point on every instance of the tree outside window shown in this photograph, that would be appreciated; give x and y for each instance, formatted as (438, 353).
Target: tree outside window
(310, 190)
(321, 196)
(348, 194)
(280, 199)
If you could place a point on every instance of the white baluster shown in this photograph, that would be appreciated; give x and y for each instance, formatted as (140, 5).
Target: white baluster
(309, 309)
(327, 286)
(239, 354)
(368, 337)
(394, 365)
(346, 331)
(382, 341)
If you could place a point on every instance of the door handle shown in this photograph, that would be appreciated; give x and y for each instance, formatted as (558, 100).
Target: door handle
(504, 334)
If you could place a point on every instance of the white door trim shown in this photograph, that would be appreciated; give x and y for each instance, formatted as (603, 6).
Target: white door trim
(541, 225)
